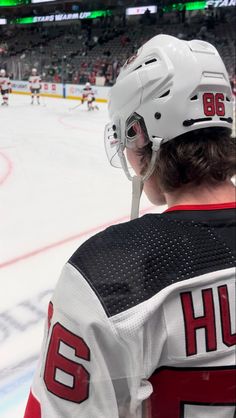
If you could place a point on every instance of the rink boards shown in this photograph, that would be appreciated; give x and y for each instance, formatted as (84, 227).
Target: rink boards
(57, 90)
(71, 91)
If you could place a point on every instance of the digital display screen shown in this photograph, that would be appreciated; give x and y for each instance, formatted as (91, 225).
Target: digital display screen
(131, 11)
(41, 1)
(6, 3)
(60, 17)
(193, 5)
(199, 5)
(221, 3)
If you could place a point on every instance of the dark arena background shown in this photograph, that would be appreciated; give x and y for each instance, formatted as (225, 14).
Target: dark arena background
(56, 185)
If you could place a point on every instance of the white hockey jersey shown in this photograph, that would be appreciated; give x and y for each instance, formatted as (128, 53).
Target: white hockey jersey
(5, 83)
(87, 92)
(142, 322)
(35, 82)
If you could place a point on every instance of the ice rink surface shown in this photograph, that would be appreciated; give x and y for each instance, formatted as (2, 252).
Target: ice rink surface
(56, 189)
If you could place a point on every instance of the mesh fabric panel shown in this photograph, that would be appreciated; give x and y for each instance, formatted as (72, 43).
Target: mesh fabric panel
(129, 263)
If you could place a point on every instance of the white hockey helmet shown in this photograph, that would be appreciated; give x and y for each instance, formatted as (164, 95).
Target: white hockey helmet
(170, 87)
(34, 70)
(88, 84)
(2, 72)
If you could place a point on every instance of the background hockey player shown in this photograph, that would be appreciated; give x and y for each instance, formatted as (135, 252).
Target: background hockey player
(141, 323)
(5, 86)
(35, 85)
(91, 102)
(89, 96)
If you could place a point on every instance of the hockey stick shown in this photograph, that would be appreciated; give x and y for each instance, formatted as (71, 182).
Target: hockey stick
(75, 107)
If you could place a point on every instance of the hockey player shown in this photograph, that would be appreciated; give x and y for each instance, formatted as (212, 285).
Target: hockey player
(89, 96)
(142, 324)
(35, 85)
(91, 102)
(5, 87)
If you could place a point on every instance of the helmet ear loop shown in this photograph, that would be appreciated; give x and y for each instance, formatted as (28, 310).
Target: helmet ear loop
(136, 135)
(138, 141)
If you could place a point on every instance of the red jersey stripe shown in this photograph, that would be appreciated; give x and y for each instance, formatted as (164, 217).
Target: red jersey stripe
(33, 409)
(210, 206)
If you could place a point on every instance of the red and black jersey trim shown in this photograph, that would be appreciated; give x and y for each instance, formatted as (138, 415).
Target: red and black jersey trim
(211, 206)
(131, 262)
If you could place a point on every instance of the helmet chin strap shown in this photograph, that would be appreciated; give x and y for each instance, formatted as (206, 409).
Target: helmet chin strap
(137, 188)
(138, 181)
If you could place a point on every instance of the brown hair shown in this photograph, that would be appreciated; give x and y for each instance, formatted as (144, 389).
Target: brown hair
(202, 156)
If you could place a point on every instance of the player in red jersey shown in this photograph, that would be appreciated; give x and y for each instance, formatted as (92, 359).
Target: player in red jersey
(141, 323)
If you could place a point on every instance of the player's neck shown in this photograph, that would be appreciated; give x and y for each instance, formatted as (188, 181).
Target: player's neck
(207, 194)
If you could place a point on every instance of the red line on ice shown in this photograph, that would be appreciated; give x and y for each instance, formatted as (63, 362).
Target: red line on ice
(8, 168)
(63, 241)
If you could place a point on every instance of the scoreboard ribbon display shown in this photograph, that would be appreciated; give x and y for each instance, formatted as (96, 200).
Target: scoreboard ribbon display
(6, 3)
(60, 17)
(192, 5)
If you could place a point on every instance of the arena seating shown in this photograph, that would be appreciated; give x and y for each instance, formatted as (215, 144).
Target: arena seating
(69, 53)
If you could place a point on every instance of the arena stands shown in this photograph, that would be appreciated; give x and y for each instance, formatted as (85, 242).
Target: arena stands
(76, 53)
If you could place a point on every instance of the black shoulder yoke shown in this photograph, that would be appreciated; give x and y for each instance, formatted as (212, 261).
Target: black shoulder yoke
(129, 263)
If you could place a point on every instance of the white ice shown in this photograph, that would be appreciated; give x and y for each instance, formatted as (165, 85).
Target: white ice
(56, 189)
